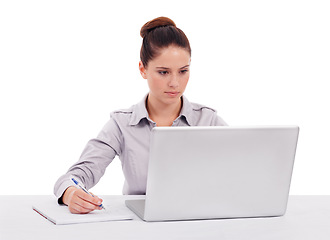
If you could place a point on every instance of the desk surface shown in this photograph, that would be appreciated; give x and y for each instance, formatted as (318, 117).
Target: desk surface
(307, 217)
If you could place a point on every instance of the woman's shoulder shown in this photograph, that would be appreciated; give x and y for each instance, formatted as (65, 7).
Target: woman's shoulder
(124, 111)
(201, 107)
(122, 115)
(131, 115)
(197, 107)
(202, 115)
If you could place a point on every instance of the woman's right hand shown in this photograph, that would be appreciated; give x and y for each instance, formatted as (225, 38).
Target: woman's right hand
(80, 202)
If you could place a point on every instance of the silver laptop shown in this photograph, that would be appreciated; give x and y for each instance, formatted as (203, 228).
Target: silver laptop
(218, 172)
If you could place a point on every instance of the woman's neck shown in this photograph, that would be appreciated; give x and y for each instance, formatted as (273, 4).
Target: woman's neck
(161, 113)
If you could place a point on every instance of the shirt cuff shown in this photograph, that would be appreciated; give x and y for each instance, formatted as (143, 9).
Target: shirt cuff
(61, 189)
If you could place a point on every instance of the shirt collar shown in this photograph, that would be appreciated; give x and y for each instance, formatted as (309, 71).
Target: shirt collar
(140, 112)
(187, 111)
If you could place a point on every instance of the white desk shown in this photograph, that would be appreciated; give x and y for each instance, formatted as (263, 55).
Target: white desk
(307, 217)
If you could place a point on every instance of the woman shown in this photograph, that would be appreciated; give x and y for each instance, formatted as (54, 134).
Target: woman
(165, 63)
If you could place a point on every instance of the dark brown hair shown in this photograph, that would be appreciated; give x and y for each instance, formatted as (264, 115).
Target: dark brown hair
(159, 33)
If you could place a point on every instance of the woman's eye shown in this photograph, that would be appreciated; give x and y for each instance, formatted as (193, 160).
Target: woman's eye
(184, 71)
(163, 72)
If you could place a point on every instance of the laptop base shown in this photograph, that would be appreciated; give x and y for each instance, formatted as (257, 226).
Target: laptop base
(137, 206)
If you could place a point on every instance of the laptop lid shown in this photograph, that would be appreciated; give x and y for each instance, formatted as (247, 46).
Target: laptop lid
(219, 172)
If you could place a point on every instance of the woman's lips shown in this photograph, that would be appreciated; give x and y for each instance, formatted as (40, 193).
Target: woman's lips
(172, 94)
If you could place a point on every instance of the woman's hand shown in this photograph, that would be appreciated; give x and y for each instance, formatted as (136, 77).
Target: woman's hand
(80, 202)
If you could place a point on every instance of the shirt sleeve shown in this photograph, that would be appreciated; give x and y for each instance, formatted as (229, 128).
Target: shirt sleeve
(95, 158)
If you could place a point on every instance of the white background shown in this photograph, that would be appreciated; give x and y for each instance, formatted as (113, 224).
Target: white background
(65, 65)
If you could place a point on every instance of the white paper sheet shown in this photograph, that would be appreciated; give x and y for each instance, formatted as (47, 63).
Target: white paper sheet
(60, 214)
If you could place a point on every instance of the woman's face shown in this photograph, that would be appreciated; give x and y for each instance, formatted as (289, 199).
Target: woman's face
(167, 74)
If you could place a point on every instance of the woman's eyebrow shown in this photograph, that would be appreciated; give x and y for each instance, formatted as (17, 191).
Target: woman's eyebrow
(162, 67)
(185, 66)
(169, 68)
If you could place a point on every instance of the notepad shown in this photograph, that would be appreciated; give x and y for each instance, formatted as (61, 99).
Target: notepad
(60, 214)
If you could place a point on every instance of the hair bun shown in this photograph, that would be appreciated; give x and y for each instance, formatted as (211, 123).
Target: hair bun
(155, 23)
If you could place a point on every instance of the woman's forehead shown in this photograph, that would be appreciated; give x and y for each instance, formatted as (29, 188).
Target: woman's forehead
(171, 57)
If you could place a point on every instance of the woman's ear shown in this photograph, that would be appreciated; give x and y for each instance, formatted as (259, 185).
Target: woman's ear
(142, 70)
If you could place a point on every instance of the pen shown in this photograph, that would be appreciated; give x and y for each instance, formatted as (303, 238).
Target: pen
(84, 189)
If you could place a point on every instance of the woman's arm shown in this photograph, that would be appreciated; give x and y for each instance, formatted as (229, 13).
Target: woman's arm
(97, 155)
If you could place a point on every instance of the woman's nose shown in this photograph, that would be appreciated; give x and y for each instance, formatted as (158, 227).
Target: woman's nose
(174, 81)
